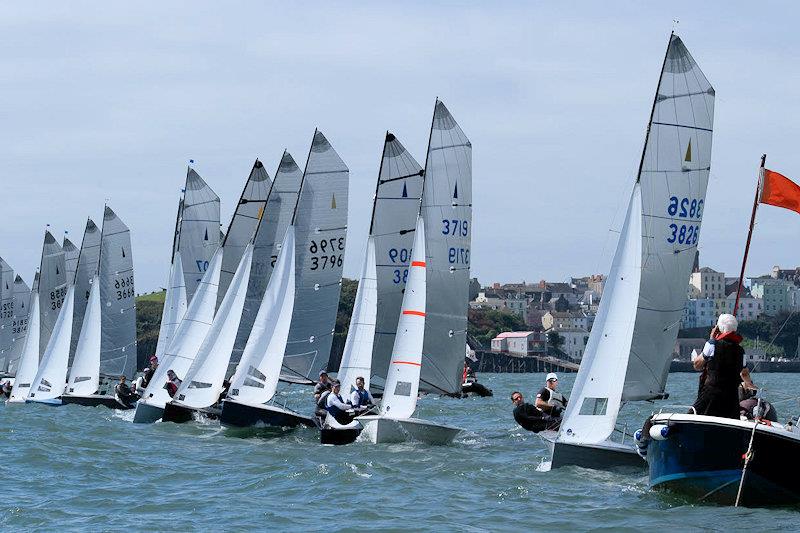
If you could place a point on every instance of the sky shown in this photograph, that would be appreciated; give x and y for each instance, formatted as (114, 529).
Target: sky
(102, 102)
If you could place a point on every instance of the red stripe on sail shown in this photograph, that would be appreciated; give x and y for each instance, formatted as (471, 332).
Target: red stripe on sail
(418, 313)
(406, 363)
(418, 264)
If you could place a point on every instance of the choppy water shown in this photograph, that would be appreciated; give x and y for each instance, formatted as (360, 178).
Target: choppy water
(78, 468)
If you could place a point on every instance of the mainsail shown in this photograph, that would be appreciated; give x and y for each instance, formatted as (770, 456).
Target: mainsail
(320, 220)
(29, 358)
(447, 211)
(198, 238)
(88, 264)
(403, 379)
(118, 297)
(51, 377)
(243, 224)
(393, 218)
(277, 215)
(71, 253)
(6, 312)
(52, 288)
(19, 324)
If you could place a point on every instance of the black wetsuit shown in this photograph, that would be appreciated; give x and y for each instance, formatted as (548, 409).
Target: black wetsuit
(124, 393)
(719, 394)
(532, 419)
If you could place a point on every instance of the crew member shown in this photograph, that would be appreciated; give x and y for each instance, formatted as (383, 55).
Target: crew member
(752, 408)
(549, 400)
(529, 417)
(5, 389)
(722, 361)
(147, 375)
(124, 393)
(323, 385)
(336, 407)
(360, 398)
(173, 383)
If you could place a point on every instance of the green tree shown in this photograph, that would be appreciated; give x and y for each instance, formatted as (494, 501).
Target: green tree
(555, 340)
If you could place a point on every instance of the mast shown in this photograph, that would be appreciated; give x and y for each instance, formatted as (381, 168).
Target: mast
(750, 232)
(653, 109)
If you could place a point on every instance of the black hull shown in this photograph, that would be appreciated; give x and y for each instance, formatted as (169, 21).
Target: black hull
(181, 414)
(476, 389)
(703, 457)
(96, 399)
(339, 437)
(597, 457)
(235, 414)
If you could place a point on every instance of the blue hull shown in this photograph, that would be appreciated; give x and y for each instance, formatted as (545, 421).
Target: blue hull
(703, 458)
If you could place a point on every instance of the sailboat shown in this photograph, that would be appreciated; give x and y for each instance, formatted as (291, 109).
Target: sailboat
(630, 347)
(6, 314)
(48, 385)
(318, 226)
(106, 347)
(175, 302)
(395, 423)
(28, 363)
(373, 324)
(19, 324)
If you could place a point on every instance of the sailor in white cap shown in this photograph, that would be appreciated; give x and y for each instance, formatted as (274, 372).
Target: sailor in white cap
(549, 400)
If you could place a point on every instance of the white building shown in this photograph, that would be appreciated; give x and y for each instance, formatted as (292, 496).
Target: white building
(707, 283)
(520, 342)
(777, 294)
(749, 308)
(575, 340)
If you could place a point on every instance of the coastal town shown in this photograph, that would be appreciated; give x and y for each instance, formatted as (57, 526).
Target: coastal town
(547, 324)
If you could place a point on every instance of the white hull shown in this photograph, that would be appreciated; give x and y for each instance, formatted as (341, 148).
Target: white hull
(380, 430)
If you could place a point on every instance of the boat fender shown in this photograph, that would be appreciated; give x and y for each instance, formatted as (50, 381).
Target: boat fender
(659, 432)
(641, 443)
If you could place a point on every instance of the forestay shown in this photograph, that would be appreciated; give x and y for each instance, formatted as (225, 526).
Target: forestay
(51, 377)
(403, 379)
(29, 358)
(118, 297)
(71, 253)
(243, 224)
(188, 336)
(198, 237)
(393, 219)
(19, 324)
(673, 177)
(277, 215)
(597, 393)
(52, 288)
(174, 306)
(256, 377)
(447, 211)
(6, 312)
(88, 265)
(84, 375)
(357, 355)
(321, 228)
(202, 384)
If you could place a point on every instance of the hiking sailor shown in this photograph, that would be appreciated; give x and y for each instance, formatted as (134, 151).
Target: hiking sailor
(336, 406)
(529, 417)
(173, 383)
(360, 398)
(722, 362)
(550, 401)
(123, 392)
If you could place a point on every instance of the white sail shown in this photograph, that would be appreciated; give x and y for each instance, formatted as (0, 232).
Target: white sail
(29, 358)
(447, 210)
(597, 393)
(402, 381)
(202, 384)
(84, 375)
(394, 216)
(198, 238)
(19, 324)
(174, 306)
(188, 336)
(6, 312)
(256, 377)
(357, 355)
(243, 224)
(51, 377)
(87, 266)
(52, 288)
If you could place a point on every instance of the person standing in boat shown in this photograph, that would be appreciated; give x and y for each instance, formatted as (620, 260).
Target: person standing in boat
(549, 400)
(722, 363)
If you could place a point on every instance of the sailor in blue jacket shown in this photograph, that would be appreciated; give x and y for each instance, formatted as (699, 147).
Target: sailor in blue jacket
(360, 398)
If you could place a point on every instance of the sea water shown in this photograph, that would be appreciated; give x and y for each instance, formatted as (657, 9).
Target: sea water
(90, 469)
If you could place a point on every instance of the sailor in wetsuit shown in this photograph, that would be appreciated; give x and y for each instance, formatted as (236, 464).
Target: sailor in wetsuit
(360, 398)
(336, 406)
(722, 361)
(549, 400)
(529, 417)
(124, 393)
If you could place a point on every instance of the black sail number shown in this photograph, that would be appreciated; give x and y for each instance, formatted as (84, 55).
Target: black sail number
(327, 253)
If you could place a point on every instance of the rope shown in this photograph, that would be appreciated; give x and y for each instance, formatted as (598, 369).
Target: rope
(747, 457)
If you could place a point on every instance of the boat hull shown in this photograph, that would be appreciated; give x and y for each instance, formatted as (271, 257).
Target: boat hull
(389, 430)
(175, 412)
(93, 400)
(242, 415)
(146, 413)
(53, 402)
(703, 457)
(603, 456)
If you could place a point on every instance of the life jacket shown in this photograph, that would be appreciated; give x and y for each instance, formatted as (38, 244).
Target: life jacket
(322, 403)
(332, 409)
(556, 400)
(363, 397)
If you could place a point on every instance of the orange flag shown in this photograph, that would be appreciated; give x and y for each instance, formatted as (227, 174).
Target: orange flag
(778, 190)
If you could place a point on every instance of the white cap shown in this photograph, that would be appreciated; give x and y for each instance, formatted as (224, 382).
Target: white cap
(552, 375)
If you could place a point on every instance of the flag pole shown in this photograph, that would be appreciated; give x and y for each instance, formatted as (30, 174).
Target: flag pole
(749, 233)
